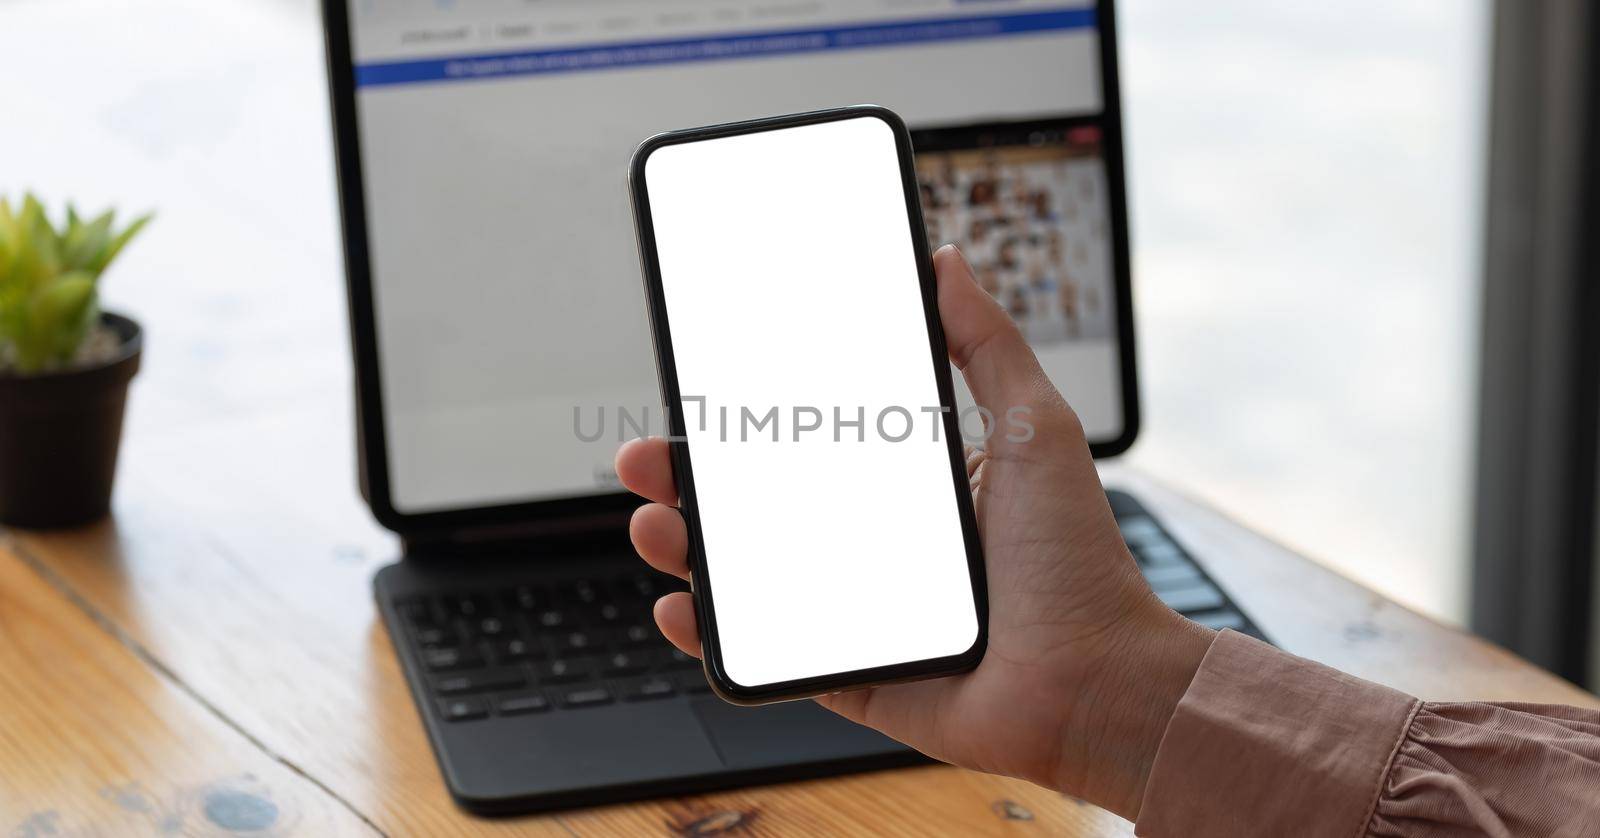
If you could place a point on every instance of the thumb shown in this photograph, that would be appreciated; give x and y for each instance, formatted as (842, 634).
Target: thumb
(985, 344)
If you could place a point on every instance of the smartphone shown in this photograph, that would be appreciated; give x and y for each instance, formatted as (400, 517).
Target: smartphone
(811, 418)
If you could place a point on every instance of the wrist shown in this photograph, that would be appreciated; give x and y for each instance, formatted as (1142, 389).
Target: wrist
(1131, 685)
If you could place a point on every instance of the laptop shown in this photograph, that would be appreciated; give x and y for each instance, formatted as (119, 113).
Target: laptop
(502, 348)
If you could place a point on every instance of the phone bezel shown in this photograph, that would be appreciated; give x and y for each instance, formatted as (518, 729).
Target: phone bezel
(683, 472)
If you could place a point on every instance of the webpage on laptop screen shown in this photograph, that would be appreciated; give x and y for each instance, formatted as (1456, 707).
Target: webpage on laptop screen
(513, 346)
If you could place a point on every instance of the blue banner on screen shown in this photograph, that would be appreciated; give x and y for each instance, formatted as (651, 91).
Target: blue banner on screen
(719, 48)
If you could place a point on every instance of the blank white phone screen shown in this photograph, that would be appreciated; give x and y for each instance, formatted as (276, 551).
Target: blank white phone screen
(828, 511)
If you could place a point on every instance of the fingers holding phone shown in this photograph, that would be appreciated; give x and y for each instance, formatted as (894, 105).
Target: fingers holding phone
(815, 455)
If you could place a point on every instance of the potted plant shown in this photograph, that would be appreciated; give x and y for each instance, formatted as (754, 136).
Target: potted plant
(64, 365)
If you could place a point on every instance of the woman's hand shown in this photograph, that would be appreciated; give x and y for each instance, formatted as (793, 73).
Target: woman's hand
(1084, 665)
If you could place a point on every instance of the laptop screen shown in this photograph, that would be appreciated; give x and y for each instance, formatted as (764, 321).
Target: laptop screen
(512, 346)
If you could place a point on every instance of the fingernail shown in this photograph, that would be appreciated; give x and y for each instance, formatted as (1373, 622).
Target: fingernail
(962, 257)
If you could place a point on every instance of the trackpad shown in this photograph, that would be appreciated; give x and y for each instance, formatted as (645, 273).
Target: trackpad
(794, 731)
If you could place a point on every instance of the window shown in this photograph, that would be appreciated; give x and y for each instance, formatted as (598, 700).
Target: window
(1306, 189)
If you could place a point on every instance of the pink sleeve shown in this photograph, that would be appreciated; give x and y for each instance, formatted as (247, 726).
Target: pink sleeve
(1265, 743)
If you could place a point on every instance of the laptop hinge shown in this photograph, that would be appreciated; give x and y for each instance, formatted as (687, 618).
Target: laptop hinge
(608, 530)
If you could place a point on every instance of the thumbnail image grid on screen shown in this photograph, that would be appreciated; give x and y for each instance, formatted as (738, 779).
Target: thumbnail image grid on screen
(1028, 205)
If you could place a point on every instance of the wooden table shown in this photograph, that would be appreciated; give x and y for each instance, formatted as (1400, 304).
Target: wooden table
(209, 661)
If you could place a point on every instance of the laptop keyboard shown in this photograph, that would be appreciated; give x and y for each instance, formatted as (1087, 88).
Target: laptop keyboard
(1174, 576)
(592, 642)
(533, 648)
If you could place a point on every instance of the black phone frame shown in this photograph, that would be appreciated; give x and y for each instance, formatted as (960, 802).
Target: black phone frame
(682, 463)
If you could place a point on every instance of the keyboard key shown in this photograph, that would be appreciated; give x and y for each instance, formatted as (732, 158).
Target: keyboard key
(622, 664)
(526, 598)
(1162, 554)
(1219, 620)
(645, 689)
(463, 709)
(1173, 576)
(578, 641)
(1201, 597)
(429, 635)
(479, 681)
(515, 705)
(641, 586)
(566, 670)
(449, 658)
(518, 649)
(679, 659)
(552, 618)
(491, 626)
(638, 635)
(693, 682)
(609, 612)
(586, 697)
(583, 592)
(1139, 529)
(468, 605)
(662, 657)
(415, 609)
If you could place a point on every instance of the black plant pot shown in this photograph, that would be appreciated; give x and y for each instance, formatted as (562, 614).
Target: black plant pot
(58, 437)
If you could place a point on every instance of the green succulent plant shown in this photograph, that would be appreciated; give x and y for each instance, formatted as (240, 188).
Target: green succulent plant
(49, 277)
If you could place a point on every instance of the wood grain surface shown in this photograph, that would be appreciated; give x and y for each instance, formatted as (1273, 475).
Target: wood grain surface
(96, 739)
